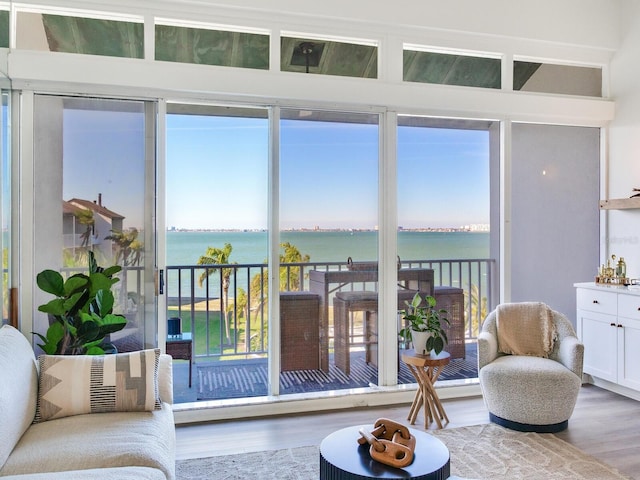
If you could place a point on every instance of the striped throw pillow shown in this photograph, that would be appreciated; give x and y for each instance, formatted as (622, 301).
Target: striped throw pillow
(79, 384)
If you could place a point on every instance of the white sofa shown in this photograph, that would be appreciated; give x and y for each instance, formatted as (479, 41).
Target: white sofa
(116, 445)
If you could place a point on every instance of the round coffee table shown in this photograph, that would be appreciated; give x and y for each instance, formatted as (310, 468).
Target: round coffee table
(343, 458)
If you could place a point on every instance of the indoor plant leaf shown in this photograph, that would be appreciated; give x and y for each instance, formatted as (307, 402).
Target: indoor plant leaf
(83, 311)
(112, 323)
(104, 301)
(54, 307)
(51, 281)
(422, 316)
(55, 334)
(112, 270)
(74, 284)
(99, 281)
(76, 302)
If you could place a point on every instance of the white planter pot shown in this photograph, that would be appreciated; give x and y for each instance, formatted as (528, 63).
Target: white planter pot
(419, 340)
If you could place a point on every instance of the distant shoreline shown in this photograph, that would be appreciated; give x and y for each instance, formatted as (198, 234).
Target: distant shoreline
(338, 230)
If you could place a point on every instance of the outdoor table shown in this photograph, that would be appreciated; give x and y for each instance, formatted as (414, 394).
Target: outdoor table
(325, 283)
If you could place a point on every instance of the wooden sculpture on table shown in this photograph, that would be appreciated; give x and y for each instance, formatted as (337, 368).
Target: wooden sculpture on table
(390, 443)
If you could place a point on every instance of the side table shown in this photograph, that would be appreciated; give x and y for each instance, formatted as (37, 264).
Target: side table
(343, 458)
(426, 369)
(180, 347)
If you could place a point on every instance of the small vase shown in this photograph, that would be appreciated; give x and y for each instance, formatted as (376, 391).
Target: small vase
(419, 340)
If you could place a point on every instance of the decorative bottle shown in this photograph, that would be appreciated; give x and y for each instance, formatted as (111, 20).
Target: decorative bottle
(621, 268)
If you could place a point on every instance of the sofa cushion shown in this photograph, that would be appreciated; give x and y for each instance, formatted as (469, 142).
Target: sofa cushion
(97, 440)
(119, 473)
(79, 384)
(18, 388)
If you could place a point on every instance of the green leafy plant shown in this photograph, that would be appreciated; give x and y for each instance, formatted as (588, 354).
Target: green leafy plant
(81, 315)
(422, 316)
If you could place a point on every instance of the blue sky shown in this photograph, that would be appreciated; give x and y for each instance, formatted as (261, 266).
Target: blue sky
(217, 171)
(217, 174)
(104, 153)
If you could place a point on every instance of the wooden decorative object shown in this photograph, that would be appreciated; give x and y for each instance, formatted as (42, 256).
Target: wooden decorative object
(390, 443)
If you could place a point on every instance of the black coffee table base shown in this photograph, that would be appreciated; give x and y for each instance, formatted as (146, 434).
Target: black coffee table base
(342, 458)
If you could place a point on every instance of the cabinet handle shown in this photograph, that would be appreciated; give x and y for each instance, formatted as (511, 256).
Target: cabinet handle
(613, 324)
(596, 301)
(620, 325)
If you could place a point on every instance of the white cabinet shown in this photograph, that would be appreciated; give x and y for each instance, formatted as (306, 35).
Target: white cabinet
(608, 324)
(629, 341)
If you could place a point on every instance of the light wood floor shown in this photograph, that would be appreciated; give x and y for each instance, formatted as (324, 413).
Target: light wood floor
(603, 424)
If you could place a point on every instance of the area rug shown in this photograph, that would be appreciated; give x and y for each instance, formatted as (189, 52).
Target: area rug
(483, 452)
(248, 378)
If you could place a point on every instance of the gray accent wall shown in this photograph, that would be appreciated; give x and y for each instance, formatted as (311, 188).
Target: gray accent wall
(554, 212)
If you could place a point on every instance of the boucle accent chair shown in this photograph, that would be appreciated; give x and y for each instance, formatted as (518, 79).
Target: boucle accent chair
(526, 385)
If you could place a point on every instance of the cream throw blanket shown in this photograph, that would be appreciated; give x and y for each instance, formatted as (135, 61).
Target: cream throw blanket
(525, 328)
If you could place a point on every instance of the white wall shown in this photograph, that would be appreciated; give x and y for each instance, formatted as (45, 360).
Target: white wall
(554, 215)
(591, 23)
(624, 145)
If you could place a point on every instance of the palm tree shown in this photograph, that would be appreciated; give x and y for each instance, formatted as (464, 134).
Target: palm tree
(290, 279)
(128, 252)
(291, 255)
(478, 309)
(84, 216)
(219, 256)
(128, 248)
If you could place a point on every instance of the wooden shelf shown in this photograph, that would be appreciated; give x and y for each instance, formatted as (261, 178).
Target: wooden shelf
(620, 203)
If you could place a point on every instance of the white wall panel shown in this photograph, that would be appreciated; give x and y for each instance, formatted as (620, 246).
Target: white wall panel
(554, 212)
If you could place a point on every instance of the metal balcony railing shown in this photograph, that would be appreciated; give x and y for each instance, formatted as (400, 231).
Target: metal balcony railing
(203, 296)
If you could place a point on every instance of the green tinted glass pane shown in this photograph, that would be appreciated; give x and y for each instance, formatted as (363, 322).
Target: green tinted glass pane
(94, 37)
(446, 69)
(4, 29)
(212, 47)
(328, 58)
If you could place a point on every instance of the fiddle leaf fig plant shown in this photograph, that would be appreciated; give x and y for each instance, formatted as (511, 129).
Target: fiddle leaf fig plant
(423, 316)
(81, 316)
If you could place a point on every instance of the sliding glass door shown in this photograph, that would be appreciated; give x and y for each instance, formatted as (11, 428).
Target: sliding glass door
(216, 248)
(94, 181)
(329, 249)
(445, 171)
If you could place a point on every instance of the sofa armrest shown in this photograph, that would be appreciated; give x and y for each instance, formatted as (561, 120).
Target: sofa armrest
(571, 354)
(487, 349)
(165, 378)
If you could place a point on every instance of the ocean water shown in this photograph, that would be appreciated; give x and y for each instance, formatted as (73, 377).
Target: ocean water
(185, 247)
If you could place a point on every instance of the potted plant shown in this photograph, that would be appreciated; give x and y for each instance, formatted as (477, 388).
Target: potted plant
(425, 326)
(81, 316)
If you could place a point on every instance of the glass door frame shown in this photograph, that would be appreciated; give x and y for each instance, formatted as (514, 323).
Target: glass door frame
(23, 229)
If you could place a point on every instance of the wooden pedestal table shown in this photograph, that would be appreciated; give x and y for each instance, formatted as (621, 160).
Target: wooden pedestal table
(426, 369)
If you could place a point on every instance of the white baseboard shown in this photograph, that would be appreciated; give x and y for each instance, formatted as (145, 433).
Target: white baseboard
(612, 387)
(206, 411)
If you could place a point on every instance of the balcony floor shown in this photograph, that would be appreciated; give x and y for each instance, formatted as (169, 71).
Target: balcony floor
(247, 378)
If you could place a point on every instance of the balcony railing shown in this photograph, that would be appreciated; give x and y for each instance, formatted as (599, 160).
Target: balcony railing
(197, 295)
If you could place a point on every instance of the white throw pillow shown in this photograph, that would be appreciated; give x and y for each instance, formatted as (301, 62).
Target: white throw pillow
(79, 384)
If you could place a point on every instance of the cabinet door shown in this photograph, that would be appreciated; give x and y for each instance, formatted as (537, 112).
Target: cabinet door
(629, 353)
(598, 332)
